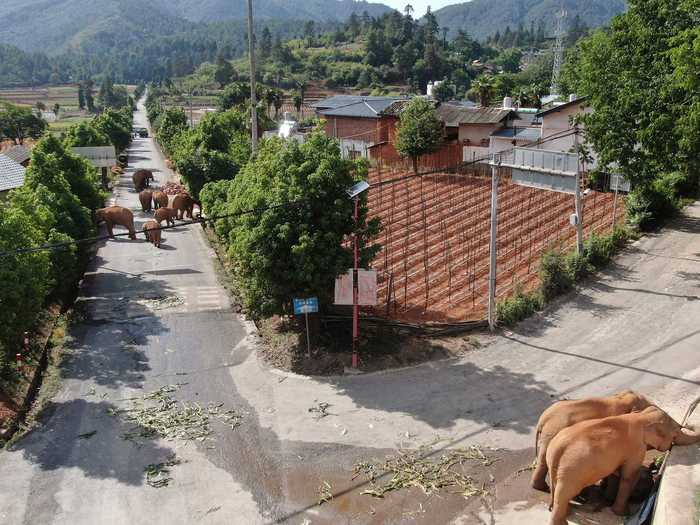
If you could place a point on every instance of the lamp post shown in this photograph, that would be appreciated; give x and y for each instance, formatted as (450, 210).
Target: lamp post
(354, 193)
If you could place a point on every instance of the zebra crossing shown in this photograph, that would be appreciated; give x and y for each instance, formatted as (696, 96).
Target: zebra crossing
(191, 299)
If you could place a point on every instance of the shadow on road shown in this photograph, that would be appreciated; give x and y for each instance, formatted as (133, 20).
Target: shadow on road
(460, 391)
(62, 444)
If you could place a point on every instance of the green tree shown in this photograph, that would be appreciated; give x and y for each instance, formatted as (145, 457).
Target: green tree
(302, 242)
(419, 130)
(18, 123)
(169, 124)
(298, 102)
(483, 89)
(234, 95)
(81, 96)
(25, 277)
(265, 44)
(40, 108)
(639, 81)
(56, 109)
(443, 92)
(83, 135)
(224, 71)
(509, 60)
(116, 125)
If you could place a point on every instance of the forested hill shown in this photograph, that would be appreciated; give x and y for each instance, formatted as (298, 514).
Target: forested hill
(484, 18)
(317, 10)
(56, 26)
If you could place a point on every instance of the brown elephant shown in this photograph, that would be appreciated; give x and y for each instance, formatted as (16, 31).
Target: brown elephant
(116, 215)
(160, 199)
(566, 413)
(184, 204)
(142, 179)
(165, 214)
(146, 198)
(583, 454)
(151, 230)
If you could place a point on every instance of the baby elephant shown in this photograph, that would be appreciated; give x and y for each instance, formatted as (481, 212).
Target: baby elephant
(146, 197)
(160, 199)
(583, 454)
(566, 413)
(151, 230)
(165, 214)
(116, 215)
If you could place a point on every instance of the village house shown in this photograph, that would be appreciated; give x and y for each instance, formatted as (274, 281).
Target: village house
(11, 175)
(20, 154)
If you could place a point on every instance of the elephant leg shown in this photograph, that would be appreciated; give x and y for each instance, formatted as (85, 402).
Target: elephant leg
(628, 480)
(539, 476)
(109, 229)
(563, 493)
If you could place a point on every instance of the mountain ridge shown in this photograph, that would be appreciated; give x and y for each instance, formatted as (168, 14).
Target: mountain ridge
(483, 18)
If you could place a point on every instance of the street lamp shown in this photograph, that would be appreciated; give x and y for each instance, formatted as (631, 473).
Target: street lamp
(354, 193)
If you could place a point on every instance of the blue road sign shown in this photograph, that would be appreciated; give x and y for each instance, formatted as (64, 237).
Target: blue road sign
(305, 306)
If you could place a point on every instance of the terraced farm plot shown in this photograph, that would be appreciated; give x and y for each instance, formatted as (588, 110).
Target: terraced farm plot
(434, 261)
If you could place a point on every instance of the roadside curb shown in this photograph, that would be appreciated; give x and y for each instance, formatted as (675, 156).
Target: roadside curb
(678, 498)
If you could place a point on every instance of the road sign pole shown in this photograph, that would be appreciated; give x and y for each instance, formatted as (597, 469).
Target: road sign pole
(308, 339)
(355, 284)
(493, 246)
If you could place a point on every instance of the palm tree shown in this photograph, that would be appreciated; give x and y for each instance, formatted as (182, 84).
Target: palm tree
(278, 101)
(408, 10)
(484, 88)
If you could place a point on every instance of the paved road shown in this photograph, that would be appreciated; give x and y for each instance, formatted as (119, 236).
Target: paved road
(159, 317)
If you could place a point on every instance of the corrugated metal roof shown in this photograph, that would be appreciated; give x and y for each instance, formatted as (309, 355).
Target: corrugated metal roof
(529, 134)
(19, 154)
(98, 156)
(337, 101)
(559, 107)
(363, 108)
(11, 173)
(453, 116)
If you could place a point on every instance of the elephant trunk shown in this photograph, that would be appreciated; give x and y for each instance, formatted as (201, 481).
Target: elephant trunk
(687, 436)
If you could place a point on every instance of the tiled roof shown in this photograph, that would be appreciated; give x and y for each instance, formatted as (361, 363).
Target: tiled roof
(529, 134)
(11, 173)
(19, 154)
(365, 107)
(455, 115)
(395, 109)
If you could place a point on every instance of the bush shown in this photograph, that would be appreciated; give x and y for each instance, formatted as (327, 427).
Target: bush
(555, 274)
(516, 308)
(649, 204)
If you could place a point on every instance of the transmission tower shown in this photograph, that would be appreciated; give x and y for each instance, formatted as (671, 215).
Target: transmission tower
(560, 34)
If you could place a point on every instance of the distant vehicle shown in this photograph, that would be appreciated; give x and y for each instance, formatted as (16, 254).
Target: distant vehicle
(141, 132)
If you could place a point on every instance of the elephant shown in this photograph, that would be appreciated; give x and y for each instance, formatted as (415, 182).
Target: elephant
(160, 199)
(165, 214)
(151, 230)
(142, 179)
(116, 215)
(583, 454)
(566, 413)
(184, 204)
(146, 198)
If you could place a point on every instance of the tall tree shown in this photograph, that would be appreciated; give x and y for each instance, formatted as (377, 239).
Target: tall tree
(419, 130)
(19, 123)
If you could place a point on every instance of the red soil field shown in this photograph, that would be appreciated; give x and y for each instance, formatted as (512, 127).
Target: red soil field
(433, 266)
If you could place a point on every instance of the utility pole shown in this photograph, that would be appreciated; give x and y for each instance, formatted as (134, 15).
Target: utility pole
(579, 200)
(355, 286)
(253, 100)
(493, 253)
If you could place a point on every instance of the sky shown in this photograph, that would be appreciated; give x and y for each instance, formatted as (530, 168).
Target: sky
(419, 6)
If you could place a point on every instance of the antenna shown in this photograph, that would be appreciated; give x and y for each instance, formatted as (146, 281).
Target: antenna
(560, 34)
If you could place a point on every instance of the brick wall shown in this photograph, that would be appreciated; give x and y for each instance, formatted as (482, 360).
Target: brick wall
(364, 129)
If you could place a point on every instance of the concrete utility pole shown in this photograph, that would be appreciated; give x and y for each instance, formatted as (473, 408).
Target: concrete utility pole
(579, 199)
(493, 253)
(253, 100)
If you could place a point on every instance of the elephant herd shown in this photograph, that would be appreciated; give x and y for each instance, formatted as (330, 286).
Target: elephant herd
(181, 207)
(581, 442)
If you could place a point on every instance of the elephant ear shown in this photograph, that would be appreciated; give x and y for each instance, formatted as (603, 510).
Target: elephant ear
(656, 436)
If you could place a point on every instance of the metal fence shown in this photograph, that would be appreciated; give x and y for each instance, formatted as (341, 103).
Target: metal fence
(434, 261)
